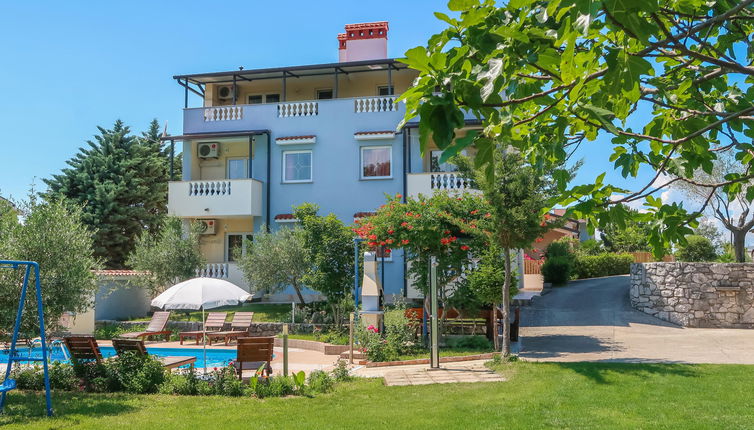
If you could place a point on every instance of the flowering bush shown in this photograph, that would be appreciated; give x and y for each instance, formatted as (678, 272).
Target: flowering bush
(453, 229)
(398, 339)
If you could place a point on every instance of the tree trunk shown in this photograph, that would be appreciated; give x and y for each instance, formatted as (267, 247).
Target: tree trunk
(739, 245)
(298, 293)
(507, 305)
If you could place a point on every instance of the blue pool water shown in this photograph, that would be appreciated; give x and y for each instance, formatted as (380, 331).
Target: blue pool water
(215, 357)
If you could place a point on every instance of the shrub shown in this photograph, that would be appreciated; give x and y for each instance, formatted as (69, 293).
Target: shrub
(320, 382)
(557, 270)
(605, 264)
(589, 247)
(62, 377)
(559, 248)
(469, 342)
(697, 248)
(29, 378)
(340, 373)
(134, 373)
(274, 386)
(398, 338)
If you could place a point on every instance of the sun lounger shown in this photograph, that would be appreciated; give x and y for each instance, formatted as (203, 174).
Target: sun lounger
(215, 322)
(156, 327)
(85, 348)
(238, 327)
(253, 353)
(137, 346)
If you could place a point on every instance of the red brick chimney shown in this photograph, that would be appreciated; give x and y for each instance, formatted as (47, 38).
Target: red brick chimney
(365, 41)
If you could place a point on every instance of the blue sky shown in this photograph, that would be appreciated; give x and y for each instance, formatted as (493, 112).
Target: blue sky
(67, 67)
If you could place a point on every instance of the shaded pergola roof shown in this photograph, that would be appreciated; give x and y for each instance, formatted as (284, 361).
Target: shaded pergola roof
(291, 71)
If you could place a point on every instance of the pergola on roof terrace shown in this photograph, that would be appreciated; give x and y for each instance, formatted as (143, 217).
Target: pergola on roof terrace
(196, 83)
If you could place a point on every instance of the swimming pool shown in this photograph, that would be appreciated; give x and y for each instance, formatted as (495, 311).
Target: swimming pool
(215, 357)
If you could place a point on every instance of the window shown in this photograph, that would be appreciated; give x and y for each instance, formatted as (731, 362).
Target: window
(376, 162)
(238, 168)
(236, 241)
(435, 166)
(297, 166)
(255, 99)
(384, 90)
(324, 94)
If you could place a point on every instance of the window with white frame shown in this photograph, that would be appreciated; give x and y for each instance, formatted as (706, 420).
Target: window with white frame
(238, 168)
(236, 241)
(376, 162)
(297, 166)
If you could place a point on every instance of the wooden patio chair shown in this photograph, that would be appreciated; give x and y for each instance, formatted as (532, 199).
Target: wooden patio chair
(238, 327)
(253, 353)
(156, 327)
(83, 348)
(215, 322)
(137, 346)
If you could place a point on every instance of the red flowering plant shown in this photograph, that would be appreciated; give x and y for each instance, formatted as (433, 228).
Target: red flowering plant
(438, 226)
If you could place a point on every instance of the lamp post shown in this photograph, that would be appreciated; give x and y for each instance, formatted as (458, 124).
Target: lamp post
(356, 242)
(434, 358)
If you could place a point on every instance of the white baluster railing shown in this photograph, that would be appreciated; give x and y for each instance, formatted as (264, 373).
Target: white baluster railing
(213, 270)
(295, 109)
(223, 113)
(449, 181)
(375, 104)
(209, 188)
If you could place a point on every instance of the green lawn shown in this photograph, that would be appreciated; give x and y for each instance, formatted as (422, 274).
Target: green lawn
(263, 312)
(565, 395)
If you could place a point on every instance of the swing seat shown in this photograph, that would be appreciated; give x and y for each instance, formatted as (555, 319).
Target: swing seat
(7, 385)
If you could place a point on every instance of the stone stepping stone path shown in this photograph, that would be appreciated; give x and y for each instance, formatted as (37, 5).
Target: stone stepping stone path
(447, 374)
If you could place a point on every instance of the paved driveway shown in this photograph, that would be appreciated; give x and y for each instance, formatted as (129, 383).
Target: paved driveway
(592, 320)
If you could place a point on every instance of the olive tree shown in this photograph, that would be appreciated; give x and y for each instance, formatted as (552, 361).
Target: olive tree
(276, 260)
(54, 235)
(169, 257)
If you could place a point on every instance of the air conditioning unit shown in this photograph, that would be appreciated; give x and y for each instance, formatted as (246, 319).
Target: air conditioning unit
(208, 149)
(207, 226)
(225, 92)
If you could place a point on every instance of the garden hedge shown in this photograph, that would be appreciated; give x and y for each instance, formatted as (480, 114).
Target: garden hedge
(606, 264)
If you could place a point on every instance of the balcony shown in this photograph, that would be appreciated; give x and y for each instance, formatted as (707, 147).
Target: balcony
(428, 183)
(297, 117)
(219, 198)
(227, 271)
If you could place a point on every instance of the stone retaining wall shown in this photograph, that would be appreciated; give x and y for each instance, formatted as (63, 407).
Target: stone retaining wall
(717, 295)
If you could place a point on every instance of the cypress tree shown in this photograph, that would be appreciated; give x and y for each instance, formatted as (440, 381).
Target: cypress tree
(121, 181)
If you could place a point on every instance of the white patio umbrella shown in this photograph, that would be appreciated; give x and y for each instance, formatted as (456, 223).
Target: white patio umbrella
(201, 293)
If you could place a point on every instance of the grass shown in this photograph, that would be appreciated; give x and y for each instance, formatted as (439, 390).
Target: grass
(536, 395)
(263, 312)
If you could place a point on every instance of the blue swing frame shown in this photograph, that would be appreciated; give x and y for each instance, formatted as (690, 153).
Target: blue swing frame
(8, 383)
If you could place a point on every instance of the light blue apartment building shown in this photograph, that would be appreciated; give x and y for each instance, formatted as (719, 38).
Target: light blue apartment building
(265, 140)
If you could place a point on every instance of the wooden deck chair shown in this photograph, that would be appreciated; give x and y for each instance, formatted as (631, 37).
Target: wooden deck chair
(238, 327)
(83, 348)
(156, 327)
(253, 353)
(215, 322)
(137, 346)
